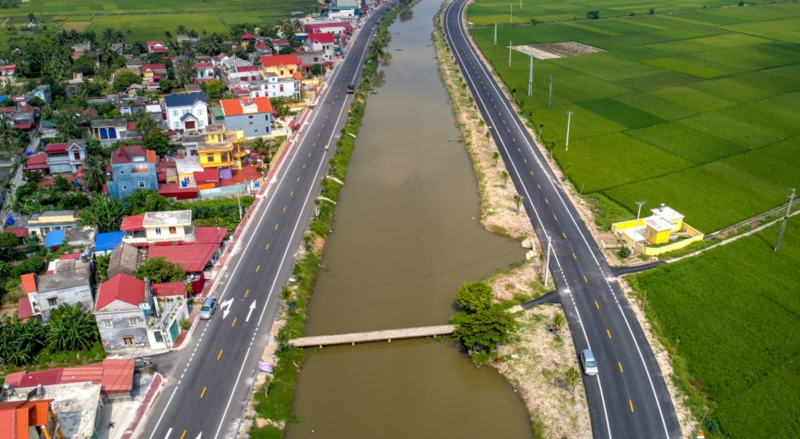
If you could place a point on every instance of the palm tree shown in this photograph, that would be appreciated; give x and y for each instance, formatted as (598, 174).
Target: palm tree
(495, 156)
(69, 125)
(8, 141)
(94, 176)
(181, 29)
(109, 35)
(504, 176)
(144, 123)
(168, 34)
(104, 213)
(518, 199)
(572, 377)
(379, 79)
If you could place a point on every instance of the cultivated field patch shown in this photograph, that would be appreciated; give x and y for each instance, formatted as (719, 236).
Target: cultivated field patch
(556, 50)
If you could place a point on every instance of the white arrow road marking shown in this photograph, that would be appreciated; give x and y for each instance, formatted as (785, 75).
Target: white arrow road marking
(198, 436)
(226, 305)
(252, 307)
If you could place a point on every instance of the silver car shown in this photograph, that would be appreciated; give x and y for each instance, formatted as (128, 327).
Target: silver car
(208, 308)
(588, 362)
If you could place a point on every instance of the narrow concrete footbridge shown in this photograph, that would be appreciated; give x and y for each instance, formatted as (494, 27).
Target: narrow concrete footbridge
(363, 337)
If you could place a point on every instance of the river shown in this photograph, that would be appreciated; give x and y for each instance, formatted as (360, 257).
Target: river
(406, 235)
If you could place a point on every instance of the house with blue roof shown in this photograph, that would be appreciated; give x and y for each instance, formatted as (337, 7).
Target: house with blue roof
(188, 112)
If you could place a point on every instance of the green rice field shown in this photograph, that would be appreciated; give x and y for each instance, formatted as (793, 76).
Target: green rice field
(698, 109)
(149, 19)
(736, 314)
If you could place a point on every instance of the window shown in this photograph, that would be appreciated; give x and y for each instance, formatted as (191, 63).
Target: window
(158, 230)
(128, 341)
(176, 124)
(174, 112)
(107, 323)
(173, 230)
(121, 172)
(141, 185)
(76, 155)
(52, 301)
(210, 158)
(133, 321)
(158, 337)
(281, 87)
(124, 188)
(185, 111)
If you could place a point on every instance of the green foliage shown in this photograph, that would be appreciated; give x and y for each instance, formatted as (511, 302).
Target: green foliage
(104, 213)
(142, 201)
(474, 296)
(217, 213)
(572, 377)
(101, 267)
(593, 15)
(8, 246)
(36, 102)
(485, 329)
(624, 251)
(30, 265)
(156, 141)
(160, 270)
(215, 89)
(735, 312)
(124, 79)
(70, 328)
(84, 64)
(61, 184)
(184, 324)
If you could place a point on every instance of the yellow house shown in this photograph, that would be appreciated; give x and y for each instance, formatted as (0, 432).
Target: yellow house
(664, 225)
(284, 66)
(222, 149)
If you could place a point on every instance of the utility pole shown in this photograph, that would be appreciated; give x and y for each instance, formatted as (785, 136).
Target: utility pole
(675, 351)
(550, 99)
(547, 261)
(569, 119)
(239, 202)
(510, 13)
(636, 227)
(509, 52)
(785, 220)
(530, 79)
(495, 34)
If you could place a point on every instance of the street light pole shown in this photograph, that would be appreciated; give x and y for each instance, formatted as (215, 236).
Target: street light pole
(636, 227)
(547, 261)
(509, 52)
(785, 220)
(569, 119)
(510, 13)
(530, 79)
(550, 99)
(495, 34)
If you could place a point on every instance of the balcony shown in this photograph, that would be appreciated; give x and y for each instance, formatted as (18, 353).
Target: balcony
(239, 148)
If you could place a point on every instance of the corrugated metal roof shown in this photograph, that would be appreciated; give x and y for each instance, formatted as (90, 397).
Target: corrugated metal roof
(193, 257)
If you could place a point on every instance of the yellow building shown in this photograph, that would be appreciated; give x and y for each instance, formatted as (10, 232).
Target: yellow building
(658, 230)
(284, 66)
(222, 149)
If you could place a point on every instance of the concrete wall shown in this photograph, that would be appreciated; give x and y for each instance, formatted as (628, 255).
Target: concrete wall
(114, 338)
(68, 296)
(253, 125)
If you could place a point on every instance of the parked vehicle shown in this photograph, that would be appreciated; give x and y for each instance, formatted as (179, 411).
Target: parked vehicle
(208, 308)
(588, 362)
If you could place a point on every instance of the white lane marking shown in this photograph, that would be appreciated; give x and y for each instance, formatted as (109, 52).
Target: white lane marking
(233, 392)
(572, 218)
(162, 415)
(168, 433)
(555, 256)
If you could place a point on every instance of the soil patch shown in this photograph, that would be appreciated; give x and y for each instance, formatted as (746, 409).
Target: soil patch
(556, 50)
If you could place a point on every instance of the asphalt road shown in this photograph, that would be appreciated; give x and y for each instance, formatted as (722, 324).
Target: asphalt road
(206, 391)
(629, 398)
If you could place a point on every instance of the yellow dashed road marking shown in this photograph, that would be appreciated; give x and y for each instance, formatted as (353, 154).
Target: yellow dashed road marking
(203, 392)
(220, 354)
(620, 368)
(234, 322)
(258, 268)
(609, 333)
(596, 304)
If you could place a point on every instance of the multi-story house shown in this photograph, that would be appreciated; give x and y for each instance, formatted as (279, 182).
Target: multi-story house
(39, 224)
(187, 112)
(154, 72)
(321, 44)
(65, 157)
(282, 66)
(243, 75)
(132, 169)
(108, 131)
(130, 318)
(71, 284)
(275, 86)
(339, 29)
(30, 419)
(253, 116)
(152, 228)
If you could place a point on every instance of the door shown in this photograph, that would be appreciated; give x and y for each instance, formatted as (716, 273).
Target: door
(189, 125)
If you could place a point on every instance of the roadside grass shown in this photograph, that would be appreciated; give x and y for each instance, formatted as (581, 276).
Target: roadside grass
(697, 109)
(735, 312)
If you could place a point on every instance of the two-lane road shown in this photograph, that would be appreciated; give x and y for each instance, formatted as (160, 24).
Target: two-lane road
(205, 396)
(629, 398)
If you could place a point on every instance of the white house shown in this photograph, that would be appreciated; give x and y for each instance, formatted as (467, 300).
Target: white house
(187, 112)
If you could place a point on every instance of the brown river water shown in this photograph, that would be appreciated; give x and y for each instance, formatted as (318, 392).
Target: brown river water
(406, 236)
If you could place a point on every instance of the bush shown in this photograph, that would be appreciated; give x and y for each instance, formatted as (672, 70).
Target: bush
(712, 426)
(474, 296)
(184, 324)
(30, 265)
(624, 252)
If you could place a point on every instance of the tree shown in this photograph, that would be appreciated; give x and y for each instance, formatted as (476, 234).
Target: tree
(557, 322)
(504, 176)
(571, 377)
(125, 79)
(317, 69)
(8, 140)
(485, 329)
(495, 156)
(36, 101)
(652, 11)
(593, 15)
(94, 176)
(31, 17)
(144, 121)
(61, 184)
(518, 199)
(104, 213)
(160, 270)
(69, 125)
(156, 141)
(71, 328)
(167, 85)
(474, 296)
(215, 89)
(8, 246)
(141, 201)
(84, 64)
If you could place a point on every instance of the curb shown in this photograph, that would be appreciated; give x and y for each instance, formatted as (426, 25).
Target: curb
(158, 381)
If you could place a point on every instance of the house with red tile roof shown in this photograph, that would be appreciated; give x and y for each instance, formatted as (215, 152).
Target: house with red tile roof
(283, 66)
(131, 319)
(20, 419)
(156, 47)
(203, 72)
(65, 157)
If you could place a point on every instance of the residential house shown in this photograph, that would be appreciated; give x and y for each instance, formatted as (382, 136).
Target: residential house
(48, 129)
(195, 259)
(29, 419)
(108, 131)
(220, 154)
(339, 29)
(263, 49)
(37, 162)
(81, 49)
(183, 37)
(131, 106)
(24, 117)
(129, 319)
(65, 157)
(277, 45)
(39, 224)
(117, 48)
(135, 65)
(114, 377)
(7, 73)
(132, 169)
(42, 92)
(151, 228)
(275, 86)
(157, 47)
(283, 66)
(192, 88)
(243, 75)
(187, 112)
(75, 404)
(248, 39)
(323, 44)
(253, 116)
(204, 72)
(68, 287)
(661, 232)
(153, 72)
(125, 258)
